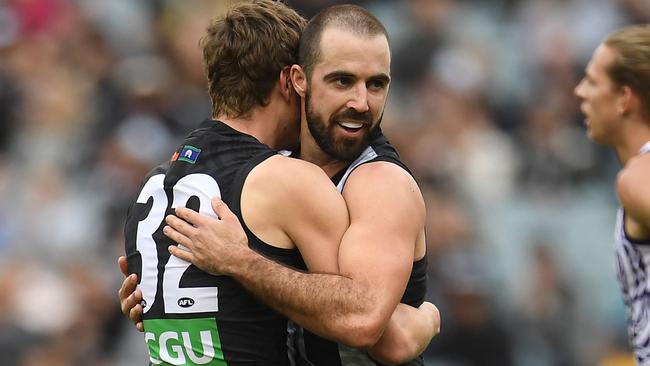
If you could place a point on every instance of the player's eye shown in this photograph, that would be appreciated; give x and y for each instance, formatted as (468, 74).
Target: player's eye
(343, 81)
(377, 84)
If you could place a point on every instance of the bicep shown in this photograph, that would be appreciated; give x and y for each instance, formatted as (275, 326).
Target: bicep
(318, 218)
(387, 214)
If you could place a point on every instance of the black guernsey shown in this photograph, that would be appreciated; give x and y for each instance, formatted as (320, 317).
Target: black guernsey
(316, 351)
(191, 317)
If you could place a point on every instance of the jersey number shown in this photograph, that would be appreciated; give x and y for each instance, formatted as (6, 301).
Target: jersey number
(176, 299)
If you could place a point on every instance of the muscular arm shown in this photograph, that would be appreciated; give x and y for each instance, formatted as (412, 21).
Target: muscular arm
(298, 208)
(304, 206)
(408, 333)
(320, 302)
(375, 259)
(386, 213)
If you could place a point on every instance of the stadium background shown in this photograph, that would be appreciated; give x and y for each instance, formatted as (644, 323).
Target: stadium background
(521, 205)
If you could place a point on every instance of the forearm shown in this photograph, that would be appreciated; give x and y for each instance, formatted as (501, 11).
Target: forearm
(332, 306)
(407, 334)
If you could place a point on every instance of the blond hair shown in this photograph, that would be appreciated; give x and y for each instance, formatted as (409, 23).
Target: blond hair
(631, 66)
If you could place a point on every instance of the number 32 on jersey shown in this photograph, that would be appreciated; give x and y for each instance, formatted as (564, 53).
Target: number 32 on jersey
(167, 340)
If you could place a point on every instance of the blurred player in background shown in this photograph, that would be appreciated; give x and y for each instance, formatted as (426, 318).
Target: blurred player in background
(615, 98)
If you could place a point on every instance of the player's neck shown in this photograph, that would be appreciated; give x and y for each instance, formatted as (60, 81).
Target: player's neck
(255, 124)
(311, 152)
(632, 142)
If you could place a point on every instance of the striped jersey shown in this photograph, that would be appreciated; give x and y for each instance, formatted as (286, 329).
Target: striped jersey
(633, 271)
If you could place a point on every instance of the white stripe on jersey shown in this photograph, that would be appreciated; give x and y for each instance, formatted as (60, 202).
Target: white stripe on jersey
(368, 154)
(645, 148)
(633, 271)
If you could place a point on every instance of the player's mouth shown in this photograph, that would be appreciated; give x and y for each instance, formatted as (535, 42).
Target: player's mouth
(583, 110)
(352, 128)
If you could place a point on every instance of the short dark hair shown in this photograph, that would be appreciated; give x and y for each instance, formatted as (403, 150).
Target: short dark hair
(350, 18)
(631, 66)
(244, 52)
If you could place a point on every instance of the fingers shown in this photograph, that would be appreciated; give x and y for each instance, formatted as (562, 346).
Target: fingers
(132, 305)
(128, 297)
(135, 315)
(121, 262)
(221, 209)
(180, 253)
(128, 287)
(190, 216)
(177, 237)
(179, 224)
(132, 308)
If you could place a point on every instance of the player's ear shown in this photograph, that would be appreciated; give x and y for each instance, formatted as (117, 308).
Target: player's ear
(285, 82)
(626, 100)
(299, 80)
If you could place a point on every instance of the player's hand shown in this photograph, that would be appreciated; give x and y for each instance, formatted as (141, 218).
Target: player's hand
(215, 245)
(407, 334)
(434, 316)
(130, 296)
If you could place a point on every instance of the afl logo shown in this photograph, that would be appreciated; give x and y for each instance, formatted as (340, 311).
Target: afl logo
(185, 302)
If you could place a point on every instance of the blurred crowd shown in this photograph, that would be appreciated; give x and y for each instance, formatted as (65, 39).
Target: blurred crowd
(521, 206)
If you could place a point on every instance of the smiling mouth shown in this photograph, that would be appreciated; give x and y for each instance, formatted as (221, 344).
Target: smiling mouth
(351, 126)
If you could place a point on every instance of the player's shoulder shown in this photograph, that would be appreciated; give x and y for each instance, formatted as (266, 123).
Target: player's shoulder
(635, 172)
(634, 179)
(280, 174)
(289, 166)
(160, 169)
(213, 135)
(203, 134)
(381, 172)
(382, 183)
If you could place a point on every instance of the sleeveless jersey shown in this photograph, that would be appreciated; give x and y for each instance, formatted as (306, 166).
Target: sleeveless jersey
(633, 270)
(191, 317)
(316, 351)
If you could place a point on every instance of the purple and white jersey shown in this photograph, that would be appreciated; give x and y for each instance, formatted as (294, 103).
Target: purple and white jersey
(633, 270)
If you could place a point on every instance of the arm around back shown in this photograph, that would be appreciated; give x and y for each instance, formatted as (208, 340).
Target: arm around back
(352, 308)
(304, 205)
(386, 219)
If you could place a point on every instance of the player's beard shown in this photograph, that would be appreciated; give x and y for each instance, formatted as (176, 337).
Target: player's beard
(342, 149)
